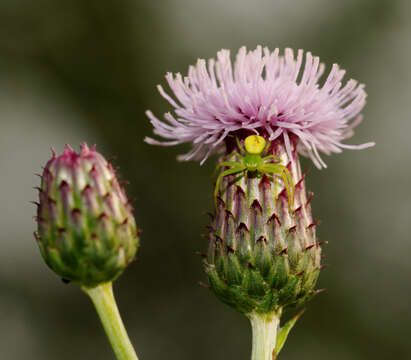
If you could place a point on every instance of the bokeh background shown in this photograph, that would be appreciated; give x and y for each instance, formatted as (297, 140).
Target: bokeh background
(76, 70)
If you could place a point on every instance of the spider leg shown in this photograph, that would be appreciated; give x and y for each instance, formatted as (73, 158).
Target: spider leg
(231, 171)
(266, 147)
(235, 153)
(240, 146)
(222, 164)
(285, 175)
(241, 157)
(276, 158)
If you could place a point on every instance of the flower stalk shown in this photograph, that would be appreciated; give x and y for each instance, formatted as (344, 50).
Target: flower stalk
(103, 299)
(264, 328)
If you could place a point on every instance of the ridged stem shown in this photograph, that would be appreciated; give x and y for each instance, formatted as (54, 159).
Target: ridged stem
(264, 328)
(105, 304)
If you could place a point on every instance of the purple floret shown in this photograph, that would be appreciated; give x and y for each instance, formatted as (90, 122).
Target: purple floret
(273, 95)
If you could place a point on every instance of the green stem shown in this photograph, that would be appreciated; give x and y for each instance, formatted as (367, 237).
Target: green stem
(264, 328)
(105, 304)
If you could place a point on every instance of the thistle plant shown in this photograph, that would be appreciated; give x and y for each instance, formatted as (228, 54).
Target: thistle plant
(87, 233)
(259, 116)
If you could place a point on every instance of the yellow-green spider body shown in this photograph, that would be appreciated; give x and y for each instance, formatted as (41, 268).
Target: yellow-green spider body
(252, 161)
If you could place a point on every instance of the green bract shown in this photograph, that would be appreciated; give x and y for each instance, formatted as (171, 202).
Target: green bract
(86, 229)
(263, 258)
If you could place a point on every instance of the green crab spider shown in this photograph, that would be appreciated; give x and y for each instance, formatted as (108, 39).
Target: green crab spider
(252, 161)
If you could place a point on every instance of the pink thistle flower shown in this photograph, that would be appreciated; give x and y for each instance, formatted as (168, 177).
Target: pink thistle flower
(265, 93)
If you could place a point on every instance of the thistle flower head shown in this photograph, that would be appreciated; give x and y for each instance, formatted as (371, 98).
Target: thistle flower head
(86, 229)
(277, 96)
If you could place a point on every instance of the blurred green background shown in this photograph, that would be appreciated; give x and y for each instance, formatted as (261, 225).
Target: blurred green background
(79, 70)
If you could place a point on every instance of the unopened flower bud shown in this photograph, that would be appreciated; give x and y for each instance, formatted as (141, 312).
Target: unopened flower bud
(262, 256)
(86, 229)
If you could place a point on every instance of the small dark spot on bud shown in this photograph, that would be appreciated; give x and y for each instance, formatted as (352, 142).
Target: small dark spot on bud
(220, 202)
(283, 251)
(313, 224)
(297, 210)
(300, 274)
(102, 216)
(262, 238)
(87, 188)
(218, 239)
(125, 222)
(93, 235)
(274, 217)
(256, 205)
(282, 194)
(76, 212)
(242, 227)
(239, 190)
(61, 230)
(230, 249)
(228, 214)
(65, 281)
(310, 247)
(64, 185)
(264, 181)
(292, 229)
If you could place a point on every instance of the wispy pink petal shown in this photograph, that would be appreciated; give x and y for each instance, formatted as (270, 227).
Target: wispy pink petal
(263, 92)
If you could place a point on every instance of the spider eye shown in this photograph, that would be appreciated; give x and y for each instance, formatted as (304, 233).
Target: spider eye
(254, 144)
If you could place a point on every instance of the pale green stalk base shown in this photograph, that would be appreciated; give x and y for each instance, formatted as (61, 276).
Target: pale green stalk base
(264, 328)
(105, 304)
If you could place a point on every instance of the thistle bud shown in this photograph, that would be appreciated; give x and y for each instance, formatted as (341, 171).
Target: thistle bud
(86, 229)
(263, 255)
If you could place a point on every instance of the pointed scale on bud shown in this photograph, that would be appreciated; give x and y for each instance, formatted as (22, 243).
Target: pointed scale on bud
(86, 229)
(262, 257)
